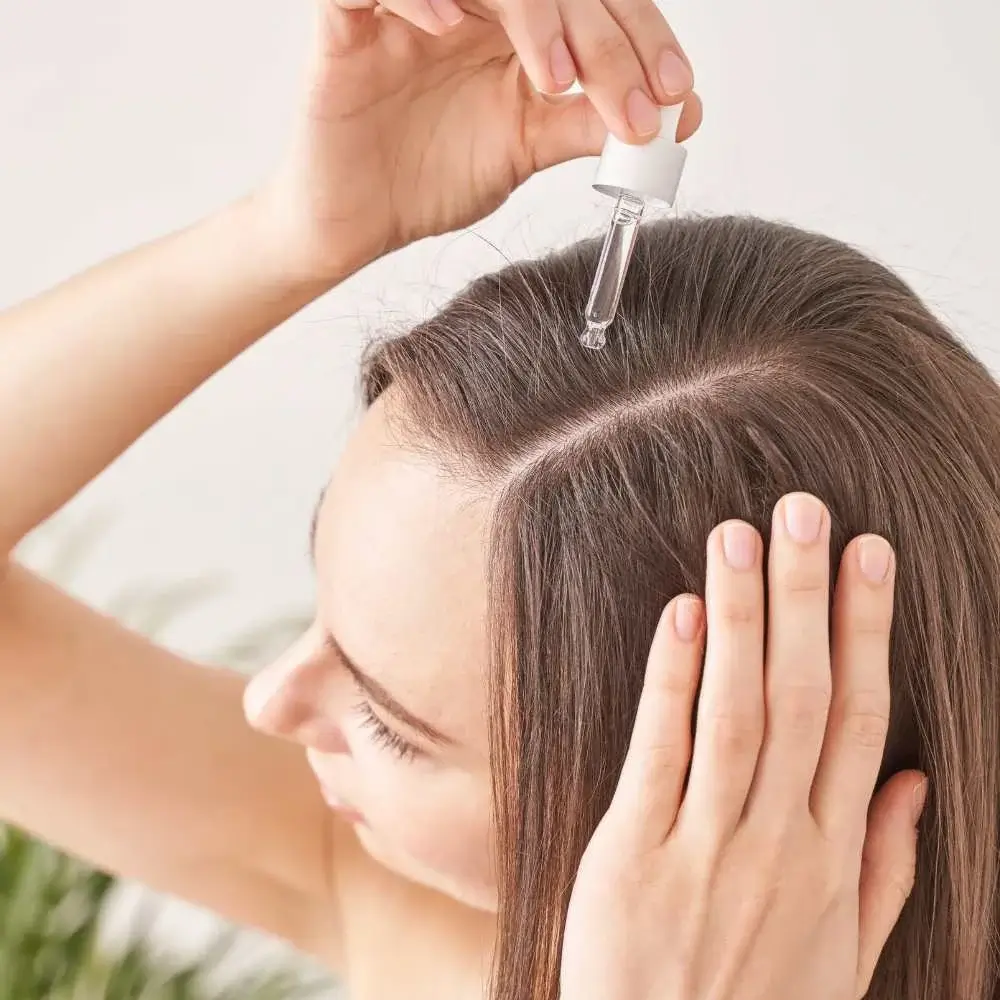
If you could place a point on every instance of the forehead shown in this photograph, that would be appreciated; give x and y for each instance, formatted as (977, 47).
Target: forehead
(402, 577)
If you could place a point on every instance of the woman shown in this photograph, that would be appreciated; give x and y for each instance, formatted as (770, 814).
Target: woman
(493, 555)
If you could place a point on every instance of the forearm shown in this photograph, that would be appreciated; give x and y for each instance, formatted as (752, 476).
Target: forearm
(87, 368)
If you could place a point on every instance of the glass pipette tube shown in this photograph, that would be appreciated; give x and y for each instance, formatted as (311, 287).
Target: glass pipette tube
(612, 269)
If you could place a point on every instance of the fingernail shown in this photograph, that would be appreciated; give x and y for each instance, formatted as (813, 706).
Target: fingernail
(675, 74)
(643, 115)
(875, 558)
(919, 798)
(687, 618)
(448, 11)
(561, 63)
(739, 544)
(803, 517)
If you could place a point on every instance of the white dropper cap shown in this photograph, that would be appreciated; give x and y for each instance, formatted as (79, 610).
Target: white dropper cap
(652, 171)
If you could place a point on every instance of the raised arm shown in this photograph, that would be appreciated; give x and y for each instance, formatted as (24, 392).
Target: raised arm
(86, 368)
(110, 747)
(140, 762)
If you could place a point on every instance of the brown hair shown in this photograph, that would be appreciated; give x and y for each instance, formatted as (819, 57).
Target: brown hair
(748, 360)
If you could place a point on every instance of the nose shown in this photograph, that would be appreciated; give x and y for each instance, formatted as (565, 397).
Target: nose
(295, 698)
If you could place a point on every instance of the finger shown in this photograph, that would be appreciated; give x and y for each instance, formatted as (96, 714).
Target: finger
(691, 117)
(610, 71)
(344, 25)
(888, 866)
(436, 17)
(797, 683)
(652, 780)
(730, 720)
(535, 30)
(667, 68)
(859, 710)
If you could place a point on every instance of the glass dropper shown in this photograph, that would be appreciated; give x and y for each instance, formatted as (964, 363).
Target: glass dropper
(634, 175)
(609, 281)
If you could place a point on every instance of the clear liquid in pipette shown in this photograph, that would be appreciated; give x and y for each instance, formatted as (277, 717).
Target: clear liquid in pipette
(612, 269)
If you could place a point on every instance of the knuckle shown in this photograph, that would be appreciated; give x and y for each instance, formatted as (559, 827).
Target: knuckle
(802, 578)
(665, 758)
(607, 49)
(677, 681)
(785, 851)
(735, 734)
(865, 721)
(803, 707)
(737, 612)
(669, 750)
(644, 23)
(643, 20)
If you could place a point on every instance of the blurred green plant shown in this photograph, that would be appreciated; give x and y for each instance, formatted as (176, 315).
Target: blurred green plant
(53, 907)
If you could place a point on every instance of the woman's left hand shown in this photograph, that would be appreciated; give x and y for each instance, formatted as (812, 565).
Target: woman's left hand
(768, 872)
(623, 52)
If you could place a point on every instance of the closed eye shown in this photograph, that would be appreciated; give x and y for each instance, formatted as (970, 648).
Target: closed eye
(383, 735)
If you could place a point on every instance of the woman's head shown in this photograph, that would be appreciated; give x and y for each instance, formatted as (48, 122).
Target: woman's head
(514, 512)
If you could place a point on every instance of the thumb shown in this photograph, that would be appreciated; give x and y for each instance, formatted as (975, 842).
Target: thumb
(888, 865)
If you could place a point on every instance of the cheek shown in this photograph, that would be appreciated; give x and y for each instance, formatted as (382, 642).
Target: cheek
(438, 819)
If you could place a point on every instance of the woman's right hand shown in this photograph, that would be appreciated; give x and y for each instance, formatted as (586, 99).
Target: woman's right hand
(752, 859)
(405, 135)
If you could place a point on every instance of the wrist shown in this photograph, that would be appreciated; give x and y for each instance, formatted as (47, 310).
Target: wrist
(296, 255)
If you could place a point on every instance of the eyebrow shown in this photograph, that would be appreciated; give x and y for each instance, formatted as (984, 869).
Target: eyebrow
(382, 698)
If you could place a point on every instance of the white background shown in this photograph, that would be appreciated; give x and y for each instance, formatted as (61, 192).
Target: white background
(873, 120)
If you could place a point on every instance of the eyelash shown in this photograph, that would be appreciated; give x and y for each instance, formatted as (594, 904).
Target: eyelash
(383, 735)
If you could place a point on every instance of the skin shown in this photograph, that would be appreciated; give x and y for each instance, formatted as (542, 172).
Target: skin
(232, 818)
(401, 586)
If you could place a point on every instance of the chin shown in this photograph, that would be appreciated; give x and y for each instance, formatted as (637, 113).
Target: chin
(482, 898)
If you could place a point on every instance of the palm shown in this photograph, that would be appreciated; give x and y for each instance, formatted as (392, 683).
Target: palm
(440, 130)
